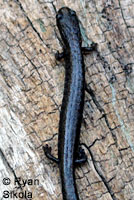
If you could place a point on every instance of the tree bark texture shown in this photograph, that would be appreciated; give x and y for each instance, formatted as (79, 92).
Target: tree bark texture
(31, 90)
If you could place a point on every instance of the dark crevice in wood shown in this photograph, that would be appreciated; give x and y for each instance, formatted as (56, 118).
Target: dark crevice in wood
(106, 183)
(30, 22)
(92, 94)
(5, 161)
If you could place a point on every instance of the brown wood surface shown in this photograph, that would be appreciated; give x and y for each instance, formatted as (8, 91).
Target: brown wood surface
(31, 89)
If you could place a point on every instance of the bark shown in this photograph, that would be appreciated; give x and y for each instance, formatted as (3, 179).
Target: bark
(31, 89)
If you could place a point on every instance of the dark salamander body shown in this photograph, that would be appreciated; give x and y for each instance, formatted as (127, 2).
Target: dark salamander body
(73, 100)
(69, 152)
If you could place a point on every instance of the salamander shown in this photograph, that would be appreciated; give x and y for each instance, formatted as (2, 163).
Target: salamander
(69, 150)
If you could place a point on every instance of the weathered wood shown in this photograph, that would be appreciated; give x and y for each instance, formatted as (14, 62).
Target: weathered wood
(31, 89)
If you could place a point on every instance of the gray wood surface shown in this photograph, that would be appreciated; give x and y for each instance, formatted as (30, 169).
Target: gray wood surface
(31, 89)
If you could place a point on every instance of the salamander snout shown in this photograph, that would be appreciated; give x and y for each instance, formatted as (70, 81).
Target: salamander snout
(65, 11)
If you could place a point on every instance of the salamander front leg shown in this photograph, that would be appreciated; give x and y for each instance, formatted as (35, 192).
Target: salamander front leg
(82, 157)
(47, 151)
(87, 50)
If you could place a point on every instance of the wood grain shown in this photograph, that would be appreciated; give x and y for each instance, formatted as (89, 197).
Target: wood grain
(31, 89)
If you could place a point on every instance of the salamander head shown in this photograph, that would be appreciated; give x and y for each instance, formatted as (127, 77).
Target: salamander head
(67, 23)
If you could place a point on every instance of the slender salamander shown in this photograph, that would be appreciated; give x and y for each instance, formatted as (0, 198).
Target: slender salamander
(69, 150)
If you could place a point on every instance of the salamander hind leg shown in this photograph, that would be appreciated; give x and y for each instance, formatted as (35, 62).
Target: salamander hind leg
(47, 151)
(81, 156)
(59, 56)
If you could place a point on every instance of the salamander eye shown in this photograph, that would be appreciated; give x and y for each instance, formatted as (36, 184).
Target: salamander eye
(73, 12)
(59, 16)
